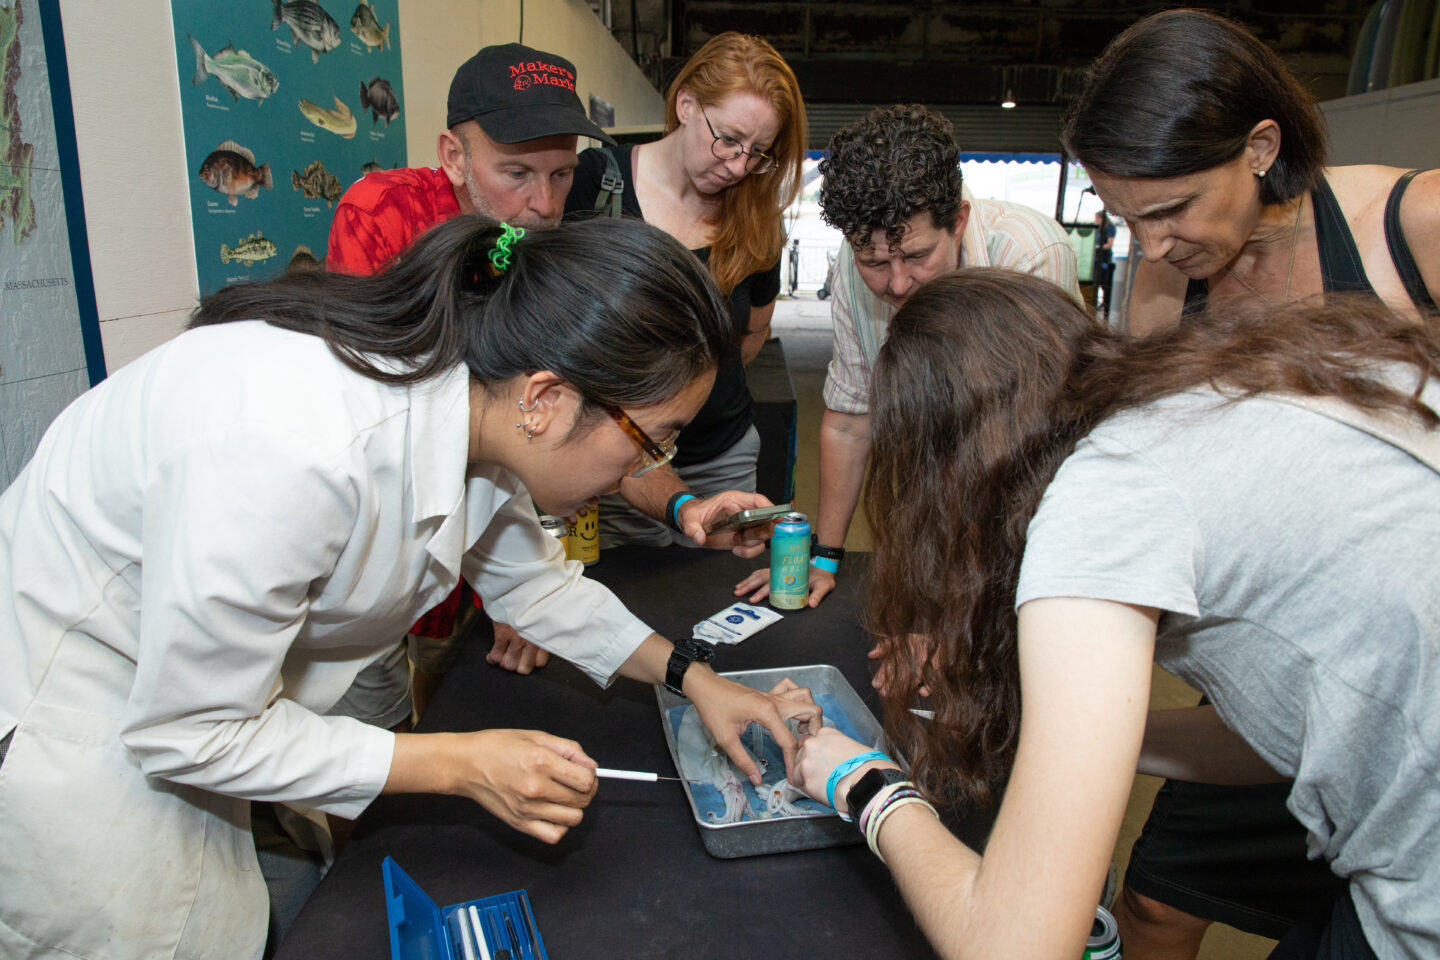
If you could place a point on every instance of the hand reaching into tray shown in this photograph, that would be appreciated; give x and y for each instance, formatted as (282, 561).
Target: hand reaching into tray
(821, 753)
(727, 708)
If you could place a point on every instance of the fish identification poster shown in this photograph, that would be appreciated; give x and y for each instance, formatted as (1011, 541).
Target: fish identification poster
(285, 104)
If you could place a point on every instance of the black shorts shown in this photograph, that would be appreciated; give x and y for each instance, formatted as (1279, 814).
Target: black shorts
(1334, 934)
(1232, 854)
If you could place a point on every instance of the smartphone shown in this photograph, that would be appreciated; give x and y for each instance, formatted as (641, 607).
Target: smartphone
(749, 518)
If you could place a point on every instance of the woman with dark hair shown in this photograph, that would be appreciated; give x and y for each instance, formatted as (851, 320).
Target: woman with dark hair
(718, 181)
(1201, 137)
(1056, 506)
(210, 545)
(1203, 140)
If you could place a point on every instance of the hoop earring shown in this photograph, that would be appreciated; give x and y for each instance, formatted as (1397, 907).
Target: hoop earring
(526, 426)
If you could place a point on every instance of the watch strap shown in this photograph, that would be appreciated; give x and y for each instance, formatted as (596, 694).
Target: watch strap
(867, 786)
(685, 653)
(818, 549)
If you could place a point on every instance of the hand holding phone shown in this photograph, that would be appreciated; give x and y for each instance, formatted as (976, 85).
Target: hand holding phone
(750, 518)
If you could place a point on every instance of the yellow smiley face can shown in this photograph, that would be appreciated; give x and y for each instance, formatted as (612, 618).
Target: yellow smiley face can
(583, 540)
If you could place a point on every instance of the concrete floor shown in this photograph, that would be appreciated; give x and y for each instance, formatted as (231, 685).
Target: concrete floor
(803, 325)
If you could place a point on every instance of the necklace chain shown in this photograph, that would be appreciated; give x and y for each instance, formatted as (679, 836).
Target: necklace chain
(1290, 274)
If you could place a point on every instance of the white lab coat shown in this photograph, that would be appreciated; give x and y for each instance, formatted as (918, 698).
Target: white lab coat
(203, 553)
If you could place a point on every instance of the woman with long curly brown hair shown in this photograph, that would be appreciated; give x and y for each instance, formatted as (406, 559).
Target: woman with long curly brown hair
(718, 181)
(1056, 506)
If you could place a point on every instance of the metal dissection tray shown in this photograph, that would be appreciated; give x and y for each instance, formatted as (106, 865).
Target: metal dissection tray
(784, 834)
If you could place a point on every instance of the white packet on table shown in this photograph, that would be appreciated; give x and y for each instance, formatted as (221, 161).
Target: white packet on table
(734, 623)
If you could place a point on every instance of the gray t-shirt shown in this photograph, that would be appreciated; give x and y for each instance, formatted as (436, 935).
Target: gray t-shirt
(1295, 560)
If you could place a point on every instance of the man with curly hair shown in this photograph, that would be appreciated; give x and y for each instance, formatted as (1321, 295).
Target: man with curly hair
(893, 187)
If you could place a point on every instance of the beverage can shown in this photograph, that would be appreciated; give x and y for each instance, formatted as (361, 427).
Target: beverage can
(555, 526)
(583, 540)
(790, 562)
(1104, 940)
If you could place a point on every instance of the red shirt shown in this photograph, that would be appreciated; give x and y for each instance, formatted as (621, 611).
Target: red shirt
(382, 213)
(379, 216)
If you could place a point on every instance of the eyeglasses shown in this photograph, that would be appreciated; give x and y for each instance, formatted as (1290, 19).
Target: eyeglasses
(728, 148)
(652, 454)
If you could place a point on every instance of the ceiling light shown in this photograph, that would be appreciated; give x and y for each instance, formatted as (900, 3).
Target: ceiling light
(1009, 102)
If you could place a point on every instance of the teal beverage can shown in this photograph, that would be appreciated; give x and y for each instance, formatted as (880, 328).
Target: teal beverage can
(1104, 940)
(790, 562)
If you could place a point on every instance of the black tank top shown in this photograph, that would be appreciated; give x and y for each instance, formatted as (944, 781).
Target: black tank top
(1341, 269)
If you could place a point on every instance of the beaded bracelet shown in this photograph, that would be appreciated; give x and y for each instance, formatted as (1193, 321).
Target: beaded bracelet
(882, 797)
(879, 812)
(825, 563)
(872, 833)
(844, 768)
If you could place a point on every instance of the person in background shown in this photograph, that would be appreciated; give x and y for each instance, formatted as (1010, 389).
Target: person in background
(892, 186)
(1213, 152)
(208, 547)
(1103, 262)
(509, 153)
(1056, 506)
(718, 181)
(515, 167)
(794, 266)
(1205, 142)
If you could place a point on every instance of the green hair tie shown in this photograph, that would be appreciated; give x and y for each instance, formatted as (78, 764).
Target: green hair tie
(500, 256)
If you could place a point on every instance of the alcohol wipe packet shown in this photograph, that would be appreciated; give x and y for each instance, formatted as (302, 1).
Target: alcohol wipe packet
(734, 623)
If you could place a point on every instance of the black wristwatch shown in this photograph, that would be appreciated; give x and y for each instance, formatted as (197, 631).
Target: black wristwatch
(685, 653)
(867, 786)
(818, 549)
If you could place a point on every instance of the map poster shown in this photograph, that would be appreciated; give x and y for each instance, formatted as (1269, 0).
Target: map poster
(285, 104)
(49, 330)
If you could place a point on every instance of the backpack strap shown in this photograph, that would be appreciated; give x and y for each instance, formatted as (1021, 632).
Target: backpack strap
(612, 185)
(1400, 250)
(1414, 439)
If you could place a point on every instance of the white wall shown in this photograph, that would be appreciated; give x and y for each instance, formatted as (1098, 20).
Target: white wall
(126, 87)
(1399, 127)
(126, 90)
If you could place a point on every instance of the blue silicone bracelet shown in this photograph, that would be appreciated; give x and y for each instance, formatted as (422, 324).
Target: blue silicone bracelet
(826, 564)
(675, 505)
(844, 768)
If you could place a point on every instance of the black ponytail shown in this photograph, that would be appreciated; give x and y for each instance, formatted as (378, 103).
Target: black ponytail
(618, 308)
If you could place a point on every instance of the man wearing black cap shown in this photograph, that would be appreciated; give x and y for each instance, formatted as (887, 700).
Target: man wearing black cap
(509, 152)
(514, 119)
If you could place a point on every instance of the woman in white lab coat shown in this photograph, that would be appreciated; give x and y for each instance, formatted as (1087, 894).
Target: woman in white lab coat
(209, 546)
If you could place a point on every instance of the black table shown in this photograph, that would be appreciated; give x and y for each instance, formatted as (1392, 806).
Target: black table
(633, 880)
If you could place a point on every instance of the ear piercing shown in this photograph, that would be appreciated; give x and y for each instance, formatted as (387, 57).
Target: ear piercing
(526, 426)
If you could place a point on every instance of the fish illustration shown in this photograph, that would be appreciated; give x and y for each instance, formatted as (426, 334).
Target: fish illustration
(364, 25)
(338, 121)
(303, 259)
(231, 170)
(309, 24)
(242, 74)
(378, 97)
(370, 167)
(318, 183)
(252, 250)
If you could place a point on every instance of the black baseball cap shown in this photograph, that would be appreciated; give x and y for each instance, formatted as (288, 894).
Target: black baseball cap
(518, 93)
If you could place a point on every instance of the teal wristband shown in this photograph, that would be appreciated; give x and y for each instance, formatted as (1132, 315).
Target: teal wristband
(842, 769)
(826, 564)
(674, 510)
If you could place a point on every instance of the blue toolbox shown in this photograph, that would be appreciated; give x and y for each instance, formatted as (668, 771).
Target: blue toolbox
(501, 927)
